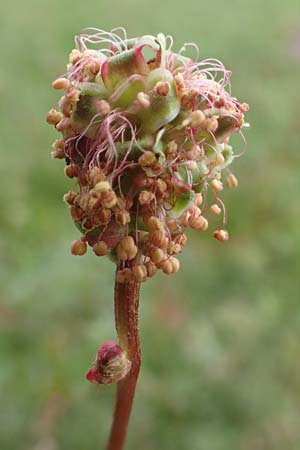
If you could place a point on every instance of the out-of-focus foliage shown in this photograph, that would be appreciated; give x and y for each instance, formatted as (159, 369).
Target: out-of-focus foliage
(221, 340)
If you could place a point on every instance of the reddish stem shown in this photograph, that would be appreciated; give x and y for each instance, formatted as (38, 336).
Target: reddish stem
(126, 316)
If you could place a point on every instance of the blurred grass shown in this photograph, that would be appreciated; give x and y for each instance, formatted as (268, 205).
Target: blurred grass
(221, 340)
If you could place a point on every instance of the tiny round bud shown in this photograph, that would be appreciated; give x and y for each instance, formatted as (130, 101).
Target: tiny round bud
(102, 186)
(161, 186)
(196, 118)
(78, 248)
(210, 124)
(175, 265)
(76, 213)
(74, 56)
(181, 239)
(216, 185)
(59, 144)
(124, 276)
(127, 248)
(232, 181)
(139, 272)
(174, 248)
(171, 149)
(154, 223)
(58, 153)
(219, 160)
(172, 224)
(179, 81)
(109, 199)
(167, 266)
(157, 238)
(69, 197)
(111, 364)
(64, 124)
(146, 197)
(194, 153)
(71, 171)
(96, 175)
(198, 223)
(221, 235)
(100, 248)
(195, 211)
(127, 242)
(191, 165)
(162, 88)
(151, 269)
(53, 117)
(147, 158)
(66, 106)
(61, 83)
(157, 255)
(123, 217)
(143, 100)
(198, 199)
(215, 209)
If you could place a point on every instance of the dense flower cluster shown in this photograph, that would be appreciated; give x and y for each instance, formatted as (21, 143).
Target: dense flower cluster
(145, 135)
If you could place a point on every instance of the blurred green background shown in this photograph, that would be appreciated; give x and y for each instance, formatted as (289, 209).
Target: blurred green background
(221, 339)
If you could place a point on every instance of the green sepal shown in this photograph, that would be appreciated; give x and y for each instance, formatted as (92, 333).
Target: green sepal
(119, 67)
(182, 202)
(127, 92)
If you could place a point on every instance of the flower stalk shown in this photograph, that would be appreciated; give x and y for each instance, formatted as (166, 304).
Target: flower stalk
(126, 316)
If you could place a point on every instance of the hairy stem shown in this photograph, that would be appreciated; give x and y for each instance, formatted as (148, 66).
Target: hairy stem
(126, 316)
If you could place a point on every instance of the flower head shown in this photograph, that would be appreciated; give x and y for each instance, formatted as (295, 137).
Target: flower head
(145, 134)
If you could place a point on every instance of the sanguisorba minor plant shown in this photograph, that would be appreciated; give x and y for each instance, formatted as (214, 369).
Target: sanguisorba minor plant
(145, 137)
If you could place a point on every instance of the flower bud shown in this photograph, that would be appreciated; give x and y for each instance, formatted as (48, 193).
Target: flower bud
(216, 185)
(210, 124)
(151, 269)
(158, 238)
(196, 118)
(198, 199)
(143, 100)
(53, 117)
(147, 158)
(154, 223)
(215, 209)
(124, 276)
(76, 212)
(198, 223)
(221, 235)
(139, 272)
(219, 160)
(61, 83)
(181, 239)
(111, 364)
(71, 171)
(123, 217)
(175, 265)
(127, 248)
(102, 186)
(146, 197)
(162, 88)
(109, 199)
(167, 266)
(157, 255)
(232, 181)
(78, 248)
(64, 124)
(100, 248)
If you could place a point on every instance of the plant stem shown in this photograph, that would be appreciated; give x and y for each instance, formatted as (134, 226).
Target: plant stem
(126, 317)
